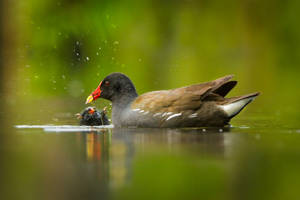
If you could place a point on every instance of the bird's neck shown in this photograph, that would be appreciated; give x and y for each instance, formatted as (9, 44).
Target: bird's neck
(120, 106)
(124, 101)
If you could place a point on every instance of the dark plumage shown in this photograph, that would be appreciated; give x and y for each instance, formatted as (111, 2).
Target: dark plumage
(192, 106)
(92, 117)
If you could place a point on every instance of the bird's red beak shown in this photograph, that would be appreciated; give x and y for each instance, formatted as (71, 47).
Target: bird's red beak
(95, 95)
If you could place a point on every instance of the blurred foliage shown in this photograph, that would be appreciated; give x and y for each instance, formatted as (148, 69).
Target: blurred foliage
(65, 48)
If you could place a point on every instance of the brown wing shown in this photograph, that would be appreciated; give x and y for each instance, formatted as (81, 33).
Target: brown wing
(181, 99)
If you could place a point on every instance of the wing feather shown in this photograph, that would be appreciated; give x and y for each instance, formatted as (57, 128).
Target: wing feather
(179, 100)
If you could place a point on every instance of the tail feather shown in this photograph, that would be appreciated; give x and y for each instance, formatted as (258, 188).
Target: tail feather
(225, 88)
(233, 106)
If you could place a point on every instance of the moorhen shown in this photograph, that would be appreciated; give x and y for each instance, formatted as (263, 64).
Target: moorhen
(92, 117)
(199, 105)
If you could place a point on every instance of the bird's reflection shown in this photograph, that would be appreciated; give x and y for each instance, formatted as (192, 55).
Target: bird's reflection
(97, 145)
(112, 152)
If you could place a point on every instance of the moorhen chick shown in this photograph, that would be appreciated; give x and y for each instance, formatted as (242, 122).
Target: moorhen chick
(199, 105)
(92, 117)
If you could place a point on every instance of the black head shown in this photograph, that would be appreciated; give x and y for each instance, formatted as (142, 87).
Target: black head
(89, 111)
(114, 86)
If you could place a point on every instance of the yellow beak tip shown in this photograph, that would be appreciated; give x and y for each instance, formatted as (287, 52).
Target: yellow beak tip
(89, 99)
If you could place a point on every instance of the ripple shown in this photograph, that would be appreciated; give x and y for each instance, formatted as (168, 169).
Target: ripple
(65, 128)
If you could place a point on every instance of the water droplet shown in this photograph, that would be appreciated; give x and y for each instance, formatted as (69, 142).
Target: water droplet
(220, 130)
(77, 43)
(54, 81)
(140, 60)
(99, 48)
(97, 53)
(98, 74)
(257, 136)
(116, 42)
(59, 33)
(77, 54)
(87, 58)
(74, 88)
(204, 130)
(55, 119)
(63, 77)
(113, 58)
(36, 76)
(27, 66)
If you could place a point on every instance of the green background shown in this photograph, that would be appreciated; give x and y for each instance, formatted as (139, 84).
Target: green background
(55, 53)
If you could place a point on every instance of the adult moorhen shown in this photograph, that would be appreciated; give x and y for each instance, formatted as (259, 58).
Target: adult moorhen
(199, 105)
(92, 117)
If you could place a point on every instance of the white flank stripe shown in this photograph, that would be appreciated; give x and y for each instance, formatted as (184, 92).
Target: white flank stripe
(193, 115)
(167, 113)
(156, 114)
(175, 115)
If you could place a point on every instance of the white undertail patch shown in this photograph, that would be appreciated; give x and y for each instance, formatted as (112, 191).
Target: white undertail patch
(234, 108)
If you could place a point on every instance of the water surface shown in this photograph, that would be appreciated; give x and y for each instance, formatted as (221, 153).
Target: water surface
(70, 161)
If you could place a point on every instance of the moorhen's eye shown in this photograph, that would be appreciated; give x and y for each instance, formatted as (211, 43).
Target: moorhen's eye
(106, 83)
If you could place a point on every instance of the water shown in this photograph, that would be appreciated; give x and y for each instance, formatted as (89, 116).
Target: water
(249, 159)
(65, 128)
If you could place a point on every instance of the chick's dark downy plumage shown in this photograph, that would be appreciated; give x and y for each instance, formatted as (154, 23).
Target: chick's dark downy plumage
(92, 117)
